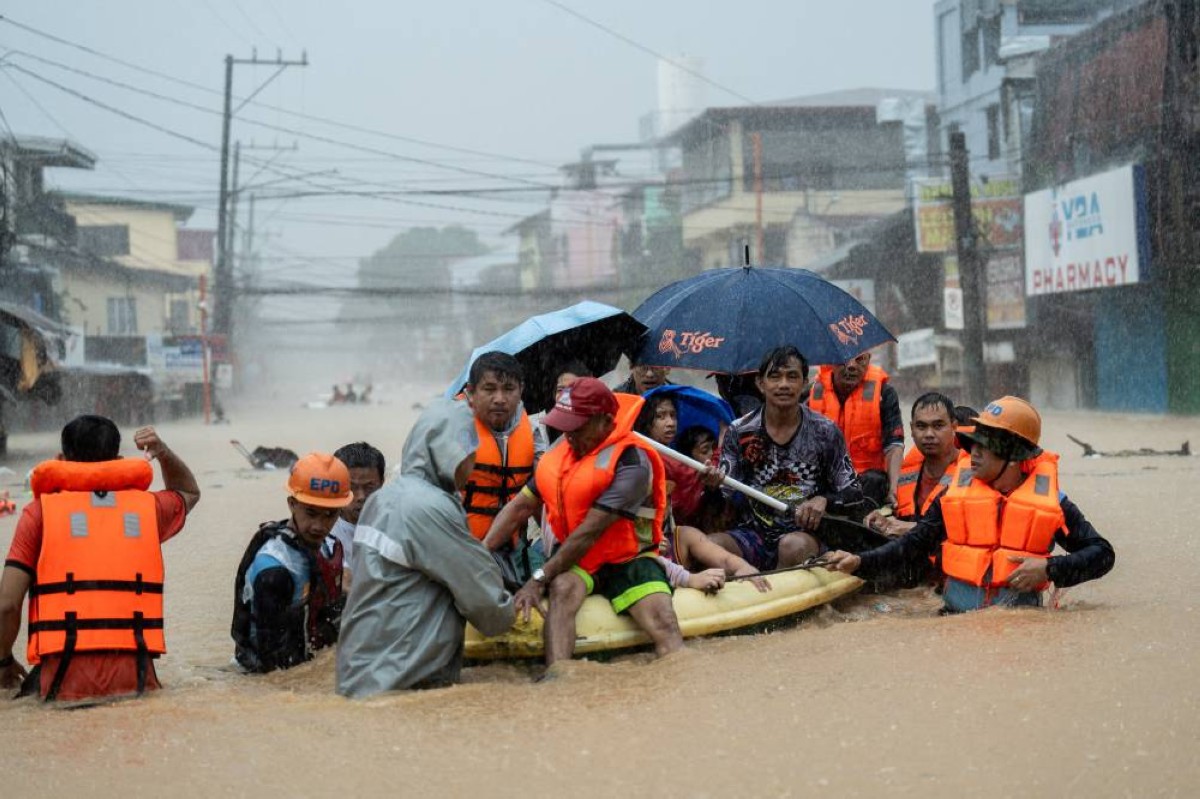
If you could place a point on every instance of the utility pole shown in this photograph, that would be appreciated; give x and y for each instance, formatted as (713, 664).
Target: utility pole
(231, 222)
(970, 269)
(224, 289)
(756, 141)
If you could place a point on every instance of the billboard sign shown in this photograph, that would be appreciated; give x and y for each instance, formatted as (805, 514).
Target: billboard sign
(995, 204)
(1090, 233)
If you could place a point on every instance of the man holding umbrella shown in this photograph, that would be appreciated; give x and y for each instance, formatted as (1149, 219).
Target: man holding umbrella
(605, 497)
(792, 453)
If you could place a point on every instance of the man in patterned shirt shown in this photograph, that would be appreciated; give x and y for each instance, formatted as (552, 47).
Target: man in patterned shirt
(792, 453)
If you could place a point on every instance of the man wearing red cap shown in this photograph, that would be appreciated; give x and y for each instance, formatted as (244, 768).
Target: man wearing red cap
(605, 498)
(287, 594)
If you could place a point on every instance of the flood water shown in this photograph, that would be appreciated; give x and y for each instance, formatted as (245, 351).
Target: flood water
(877, 694)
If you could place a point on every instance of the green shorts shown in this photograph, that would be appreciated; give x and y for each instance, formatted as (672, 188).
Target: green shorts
(626, 584)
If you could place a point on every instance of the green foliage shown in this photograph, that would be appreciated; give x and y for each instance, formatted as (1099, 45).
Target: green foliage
(419, 257)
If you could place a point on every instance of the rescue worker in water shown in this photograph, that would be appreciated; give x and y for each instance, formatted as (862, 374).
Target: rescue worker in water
(87, 552)
(997, 522)
(288, 594)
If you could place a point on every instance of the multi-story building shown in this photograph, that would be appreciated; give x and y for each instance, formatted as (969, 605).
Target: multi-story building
(823, 168)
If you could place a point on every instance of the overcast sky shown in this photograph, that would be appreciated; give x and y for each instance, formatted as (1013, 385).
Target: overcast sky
(523, 81)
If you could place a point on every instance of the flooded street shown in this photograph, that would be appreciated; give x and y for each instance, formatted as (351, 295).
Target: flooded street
(877, 694)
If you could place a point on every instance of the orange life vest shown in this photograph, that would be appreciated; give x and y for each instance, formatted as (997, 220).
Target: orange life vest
(860, 419)
(497, 477)
(984, 527)
(99, 579)
(569, 486)
(910, 481)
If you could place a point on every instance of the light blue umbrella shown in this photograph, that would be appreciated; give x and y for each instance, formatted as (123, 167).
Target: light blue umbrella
(590, 332)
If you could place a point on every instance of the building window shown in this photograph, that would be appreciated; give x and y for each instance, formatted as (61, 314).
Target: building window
(104, 240)
(122, 316)
(993, 130)
(947, 26)
(178, 319)
(991, 41)
(970, 53)
(1060, 12)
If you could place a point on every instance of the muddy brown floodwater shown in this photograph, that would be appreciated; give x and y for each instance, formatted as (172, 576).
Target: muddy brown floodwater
(875, 696)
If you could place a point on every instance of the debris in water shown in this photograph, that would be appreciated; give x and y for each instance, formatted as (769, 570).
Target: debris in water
(1091, 452)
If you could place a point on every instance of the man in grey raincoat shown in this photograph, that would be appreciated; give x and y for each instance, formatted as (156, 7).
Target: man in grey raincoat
(417, 570)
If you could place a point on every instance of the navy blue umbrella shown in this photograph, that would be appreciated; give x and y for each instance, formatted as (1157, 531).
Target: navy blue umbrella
(591, 332)
(725, 320)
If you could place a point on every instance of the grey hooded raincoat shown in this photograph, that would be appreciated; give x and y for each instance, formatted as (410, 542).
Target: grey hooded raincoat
(419, 576)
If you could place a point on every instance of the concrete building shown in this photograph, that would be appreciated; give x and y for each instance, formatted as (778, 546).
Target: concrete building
(985, 52)
(829, 168)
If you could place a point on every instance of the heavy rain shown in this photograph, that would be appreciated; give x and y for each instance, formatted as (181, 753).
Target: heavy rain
(622, 399)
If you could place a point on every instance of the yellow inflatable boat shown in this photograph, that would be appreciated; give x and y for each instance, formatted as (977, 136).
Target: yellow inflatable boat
(738, 605)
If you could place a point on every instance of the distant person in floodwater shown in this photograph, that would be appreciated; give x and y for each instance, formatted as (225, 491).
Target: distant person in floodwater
(351, 397)
(287, 593)
(336, 397)
(90, 537)
(368, 470)
(998, 521)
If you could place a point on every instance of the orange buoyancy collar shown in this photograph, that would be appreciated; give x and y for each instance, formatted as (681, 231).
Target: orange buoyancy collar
(910, 481)
(861, 417)
(569, 486)
(984, 528)
(99, 579)
(497, 476)
(123, 474)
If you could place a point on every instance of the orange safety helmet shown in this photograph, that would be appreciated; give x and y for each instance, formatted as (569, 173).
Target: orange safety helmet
(321, 480)
(1009, 426)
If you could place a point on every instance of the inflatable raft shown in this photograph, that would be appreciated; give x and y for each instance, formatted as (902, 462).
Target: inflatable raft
(737, 606)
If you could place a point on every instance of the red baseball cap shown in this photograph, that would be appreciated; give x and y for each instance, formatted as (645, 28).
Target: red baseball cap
(580, 401)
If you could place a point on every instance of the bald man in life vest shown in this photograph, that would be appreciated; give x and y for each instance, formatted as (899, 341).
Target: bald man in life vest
(87, 551)
(605, 497)
(856, 396)
(998, 521)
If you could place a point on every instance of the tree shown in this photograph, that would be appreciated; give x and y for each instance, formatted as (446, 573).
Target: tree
(419, 258)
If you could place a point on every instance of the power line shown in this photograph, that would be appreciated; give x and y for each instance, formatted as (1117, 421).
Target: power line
(278, 109)
(646, 49)
(327, 189)
(266, 125)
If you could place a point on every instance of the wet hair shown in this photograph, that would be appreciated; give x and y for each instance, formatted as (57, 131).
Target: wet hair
(500, 364)
(932, 399)
(645, 419)
(91, 439)
(574, 367)
(963, 414)
(780, 356)
(361, 455)
(693, 437)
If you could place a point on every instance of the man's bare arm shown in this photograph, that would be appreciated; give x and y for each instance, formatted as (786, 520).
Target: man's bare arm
(511, 518)
(176, 474)
(14, 585)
